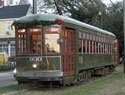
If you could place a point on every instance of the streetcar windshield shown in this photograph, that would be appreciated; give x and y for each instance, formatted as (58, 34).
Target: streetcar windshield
(38, 40)
(51, 39)
(51, 45)
(29, 41)
(35, 44)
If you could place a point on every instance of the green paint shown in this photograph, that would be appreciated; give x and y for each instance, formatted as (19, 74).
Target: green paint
(47, 63)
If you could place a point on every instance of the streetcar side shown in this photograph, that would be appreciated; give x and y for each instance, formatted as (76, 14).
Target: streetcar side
(95, 54)
(52, 48)
(96, 50)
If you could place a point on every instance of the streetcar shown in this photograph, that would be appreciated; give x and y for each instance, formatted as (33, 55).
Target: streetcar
(54, 48)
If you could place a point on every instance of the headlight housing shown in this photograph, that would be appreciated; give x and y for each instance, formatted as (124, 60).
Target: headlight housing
(15, 71)
(34, 66)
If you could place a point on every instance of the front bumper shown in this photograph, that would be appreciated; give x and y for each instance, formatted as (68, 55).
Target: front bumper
(54, 75)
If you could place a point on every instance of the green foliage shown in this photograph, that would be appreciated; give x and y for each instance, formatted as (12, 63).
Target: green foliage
(113, 21)
(82, 10)
(33, 23)
(92, 87)
(111, 17)
(5, 68)
(12, 88)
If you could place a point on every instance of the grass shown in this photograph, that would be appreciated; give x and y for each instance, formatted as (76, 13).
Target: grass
(12, 88)
(5, 68)
(93, 87)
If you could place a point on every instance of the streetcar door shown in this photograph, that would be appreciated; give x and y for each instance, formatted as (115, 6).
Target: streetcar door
(68, 52)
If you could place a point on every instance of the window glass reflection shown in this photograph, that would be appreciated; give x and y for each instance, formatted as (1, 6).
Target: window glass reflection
(51, 45)
(35, 44)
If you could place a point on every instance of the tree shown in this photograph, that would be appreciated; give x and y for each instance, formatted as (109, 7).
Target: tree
(9, 2)
(82, 10)
(113, 22)
(93, 12)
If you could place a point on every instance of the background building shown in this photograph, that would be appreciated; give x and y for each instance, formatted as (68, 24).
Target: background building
(7, 33)
(23, 2)
(1, 3)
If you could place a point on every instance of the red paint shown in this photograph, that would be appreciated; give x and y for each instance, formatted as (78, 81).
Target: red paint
(68, 52)
(59, 21)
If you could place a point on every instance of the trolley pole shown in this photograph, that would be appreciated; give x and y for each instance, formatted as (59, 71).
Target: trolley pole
(34, 6)
(124, 32)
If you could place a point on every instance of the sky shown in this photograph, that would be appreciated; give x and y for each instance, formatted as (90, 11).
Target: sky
(107, 2)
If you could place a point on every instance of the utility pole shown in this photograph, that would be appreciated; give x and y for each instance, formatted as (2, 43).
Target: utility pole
(34, 6)
(124, 32)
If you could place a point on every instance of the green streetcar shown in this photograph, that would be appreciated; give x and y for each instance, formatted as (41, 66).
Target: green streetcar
(54, 48)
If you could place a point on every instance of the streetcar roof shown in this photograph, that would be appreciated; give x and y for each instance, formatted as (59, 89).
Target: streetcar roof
(65, 19)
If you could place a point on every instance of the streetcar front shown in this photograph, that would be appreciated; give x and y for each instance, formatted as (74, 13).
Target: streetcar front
(38, 53)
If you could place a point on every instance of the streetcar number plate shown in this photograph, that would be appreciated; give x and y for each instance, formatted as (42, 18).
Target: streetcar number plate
(35, 58)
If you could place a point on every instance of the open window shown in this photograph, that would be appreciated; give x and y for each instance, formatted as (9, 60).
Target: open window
(51, 44)
(36, 40)
(52, 39)
(29, 42)
(35, 44)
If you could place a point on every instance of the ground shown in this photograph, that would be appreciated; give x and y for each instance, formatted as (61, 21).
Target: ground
(115, 88)
(112, 84)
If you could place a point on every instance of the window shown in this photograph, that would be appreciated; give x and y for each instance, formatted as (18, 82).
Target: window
(80, 46)
(35, 44)
(29, 41)
(52, 38)
(100, 48)
(87, 36)
(92, 47)
(96, 47)
(13, 49)
(80, 34)
(3, 47)
(51, 45)
(21, 31)
(21, 44)
(96, 38)
(84, 45)
(94, 43)
(84, 35)
(91, 37)
(111, 49)
(89, 46)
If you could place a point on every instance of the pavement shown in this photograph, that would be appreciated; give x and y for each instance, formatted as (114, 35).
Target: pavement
(7, 78)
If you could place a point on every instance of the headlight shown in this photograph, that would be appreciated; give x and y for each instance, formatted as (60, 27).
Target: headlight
(15, 71)
(34, 66)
